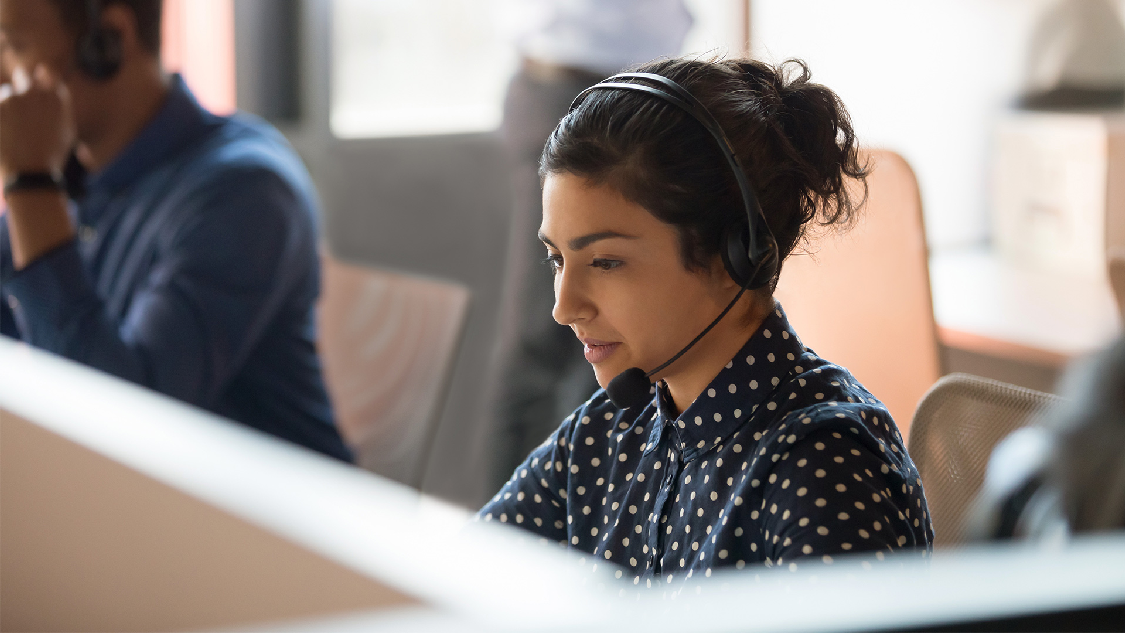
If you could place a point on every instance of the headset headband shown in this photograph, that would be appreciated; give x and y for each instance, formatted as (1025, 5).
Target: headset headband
(684, 100)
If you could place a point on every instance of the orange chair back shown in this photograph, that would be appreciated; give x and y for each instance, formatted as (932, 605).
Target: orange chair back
(861, 299)
(1116, 266)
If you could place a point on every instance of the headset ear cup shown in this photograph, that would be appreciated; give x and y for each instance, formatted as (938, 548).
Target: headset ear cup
(99, 53)
(768, 269)
(736, 257)
(735, 252)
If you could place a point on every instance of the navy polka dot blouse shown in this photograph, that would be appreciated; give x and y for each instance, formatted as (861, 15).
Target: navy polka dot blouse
(784, 459)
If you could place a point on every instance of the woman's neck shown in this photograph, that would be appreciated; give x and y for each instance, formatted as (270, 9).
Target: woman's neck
(691, 374)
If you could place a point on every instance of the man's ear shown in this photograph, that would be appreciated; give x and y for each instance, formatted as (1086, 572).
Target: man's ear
(6, 63)
(119, 17)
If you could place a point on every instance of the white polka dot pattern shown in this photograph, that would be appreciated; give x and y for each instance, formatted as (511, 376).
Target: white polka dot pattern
(803, 465)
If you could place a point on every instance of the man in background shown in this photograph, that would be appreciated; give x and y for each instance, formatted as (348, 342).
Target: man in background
(187, 260)
(565, 47)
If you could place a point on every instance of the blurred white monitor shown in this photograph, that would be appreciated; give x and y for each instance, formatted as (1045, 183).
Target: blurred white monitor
(124, 510)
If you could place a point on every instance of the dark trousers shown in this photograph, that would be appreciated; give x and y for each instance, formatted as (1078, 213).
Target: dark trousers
(544, 376)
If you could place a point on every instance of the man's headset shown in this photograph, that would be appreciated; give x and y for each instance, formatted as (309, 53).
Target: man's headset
(748, 249)
(99, 47)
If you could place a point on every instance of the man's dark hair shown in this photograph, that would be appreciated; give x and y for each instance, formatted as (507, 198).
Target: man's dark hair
(148, 13)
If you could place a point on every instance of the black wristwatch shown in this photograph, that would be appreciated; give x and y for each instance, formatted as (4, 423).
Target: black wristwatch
(34, 180)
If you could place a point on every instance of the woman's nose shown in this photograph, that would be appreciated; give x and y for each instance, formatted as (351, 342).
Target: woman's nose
(572, 303)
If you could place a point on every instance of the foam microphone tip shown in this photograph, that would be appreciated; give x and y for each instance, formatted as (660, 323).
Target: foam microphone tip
(630, 388)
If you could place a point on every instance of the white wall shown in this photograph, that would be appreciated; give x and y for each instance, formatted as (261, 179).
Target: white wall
(715, 29)
(927, 79)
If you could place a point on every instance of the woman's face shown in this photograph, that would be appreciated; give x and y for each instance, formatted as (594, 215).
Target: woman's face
(620, 283)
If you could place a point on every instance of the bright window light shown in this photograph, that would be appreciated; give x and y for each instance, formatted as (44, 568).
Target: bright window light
(418, 67)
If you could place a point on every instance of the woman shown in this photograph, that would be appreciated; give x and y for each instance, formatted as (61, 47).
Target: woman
(749, 448)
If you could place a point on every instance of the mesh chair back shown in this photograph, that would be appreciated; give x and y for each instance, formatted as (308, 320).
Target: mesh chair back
(387, 342)
(957, 424)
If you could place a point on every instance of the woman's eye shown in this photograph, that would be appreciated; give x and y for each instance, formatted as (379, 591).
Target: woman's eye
(554, 261)
(606, 264)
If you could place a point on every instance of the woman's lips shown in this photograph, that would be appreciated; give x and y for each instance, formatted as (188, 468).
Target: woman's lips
(596, 351)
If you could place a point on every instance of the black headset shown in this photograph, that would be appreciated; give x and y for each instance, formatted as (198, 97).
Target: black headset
(99, 47)
(748, 249)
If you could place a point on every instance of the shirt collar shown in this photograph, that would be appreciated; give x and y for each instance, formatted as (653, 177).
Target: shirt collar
(732, 398)
(179, 121)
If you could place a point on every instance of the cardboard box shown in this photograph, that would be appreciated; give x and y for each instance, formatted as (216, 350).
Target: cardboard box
(1059, 190)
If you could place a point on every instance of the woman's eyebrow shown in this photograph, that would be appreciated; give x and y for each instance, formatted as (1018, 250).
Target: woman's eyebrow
(582, 242)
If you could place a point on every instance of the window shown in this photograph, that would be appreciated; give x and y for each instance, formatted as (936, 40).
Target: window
(423, 67)
(417, 67)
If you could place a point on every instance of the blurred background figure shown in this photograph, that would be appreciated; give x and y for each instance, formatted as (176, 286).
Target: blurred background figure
(1064, 475)
(1090, 467)
(148, 237)
(564, 46)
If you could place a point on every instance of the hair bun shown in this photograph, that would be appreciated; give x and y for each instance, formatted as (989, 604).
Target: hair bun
(766, 84)
(818, 131)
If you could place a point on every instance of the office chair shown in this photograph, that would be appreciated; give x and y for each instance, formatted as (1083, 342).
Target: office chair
(885, 334)
(957, 424)
(387, 342)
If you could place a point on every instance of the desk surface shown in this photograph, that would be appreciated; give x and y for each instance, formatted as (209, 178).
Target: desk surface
(986, 304)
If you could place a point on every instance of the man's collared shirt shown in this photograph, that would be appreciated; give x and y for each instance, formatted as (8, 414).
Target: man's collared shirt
(194, 273)
(784, 458)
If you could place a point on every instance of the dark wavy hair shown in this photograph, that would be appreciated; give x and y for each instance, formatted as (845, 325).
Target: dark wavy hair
(793, 137)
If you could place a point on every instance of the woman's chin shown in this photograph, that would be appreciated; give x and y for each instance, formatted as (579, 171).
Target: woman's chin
(604, 375)
(602, 381)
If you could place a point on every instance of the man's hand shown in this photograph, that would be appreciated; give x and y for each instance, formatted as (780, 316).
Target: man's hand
(36, 124)
(36, 135)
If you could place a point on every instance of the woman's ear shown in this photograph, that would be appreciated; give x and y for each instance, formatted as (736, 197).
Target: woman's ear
(719, 275)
